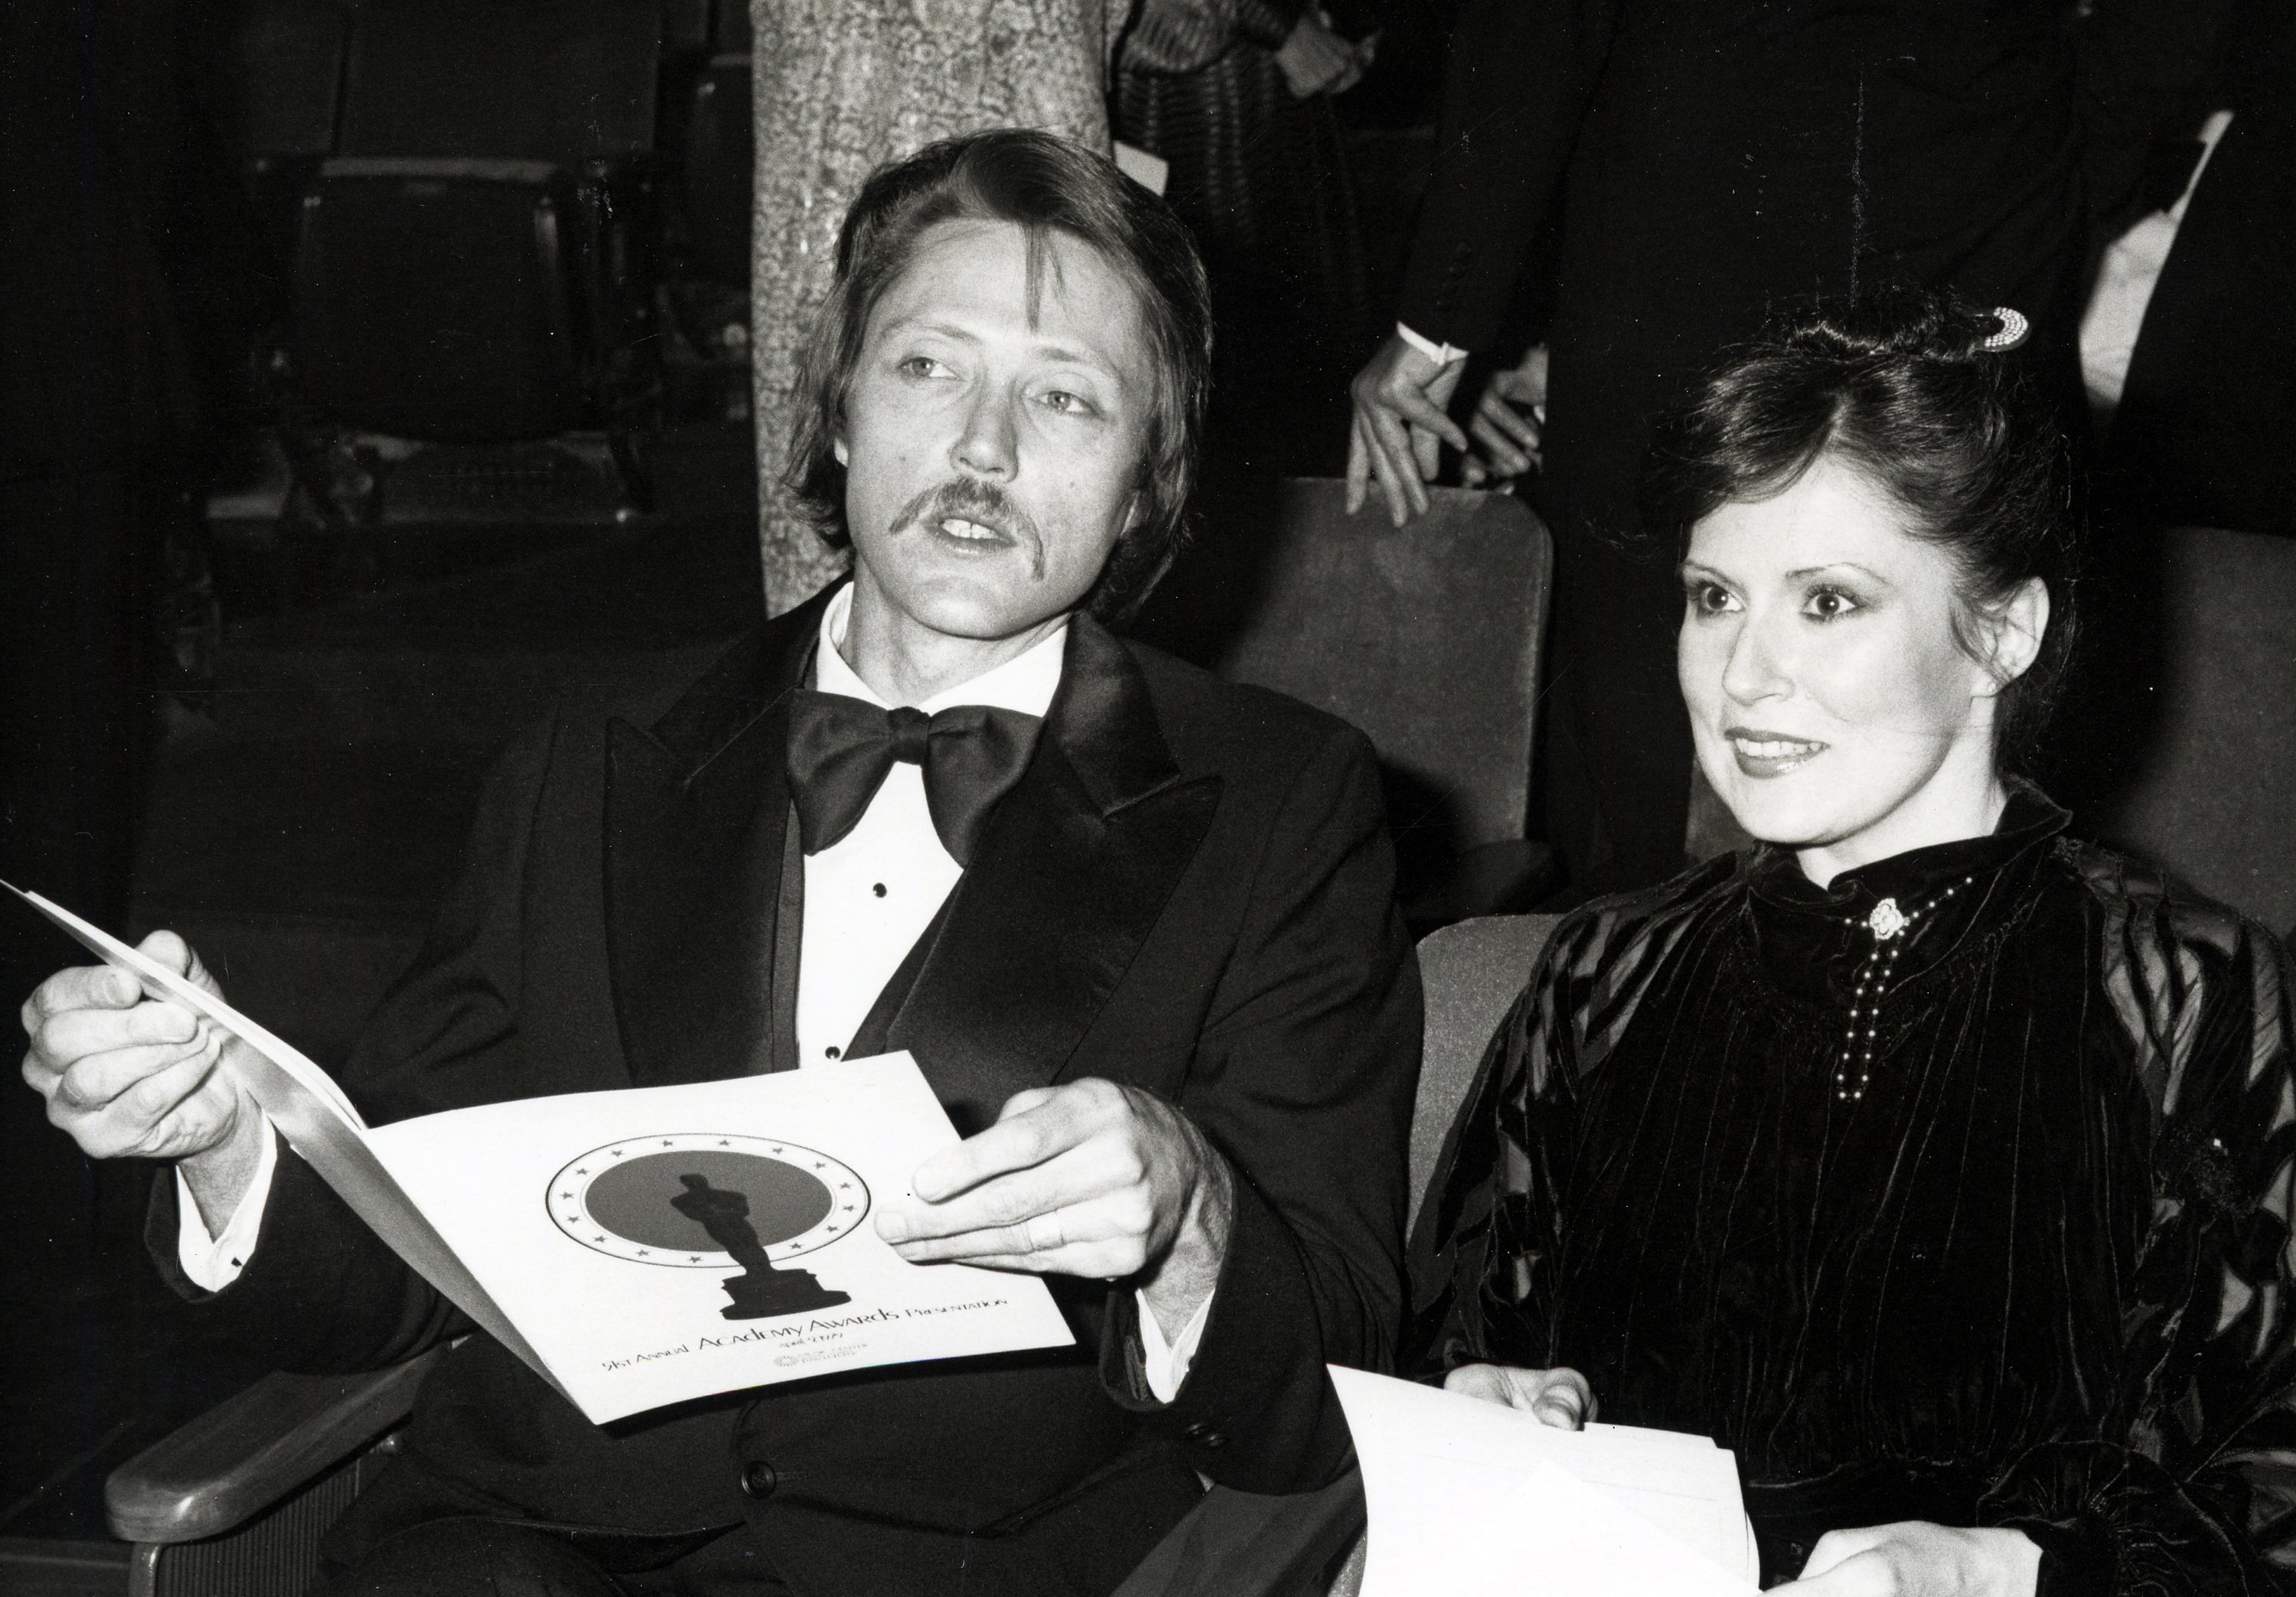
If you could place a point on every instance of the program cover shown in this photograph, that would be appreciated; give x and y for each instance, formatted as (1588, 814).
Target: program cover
(649, 1246)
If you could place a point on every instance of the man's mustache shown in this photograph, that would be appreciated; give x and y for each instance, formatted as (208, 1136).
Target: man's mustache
(981, 501)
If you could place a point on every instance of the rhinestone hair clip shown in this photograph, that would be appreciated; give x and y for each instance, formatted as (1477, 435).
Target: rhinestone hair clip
(2012, 330)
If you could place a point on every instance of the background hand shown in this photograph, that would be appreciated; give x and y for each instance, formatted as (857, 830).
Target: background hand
(1559, 1398)
(1400, 427)
(1087, 1178)
(1315, 60)
(133, 1077)
(1916, 1559)
(1510, 422)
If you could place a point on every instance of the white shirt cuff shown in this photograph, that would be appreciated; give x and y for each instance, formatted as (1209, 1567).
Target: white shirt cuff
(1165, 1364)
(213, 1262)
(1442, 355)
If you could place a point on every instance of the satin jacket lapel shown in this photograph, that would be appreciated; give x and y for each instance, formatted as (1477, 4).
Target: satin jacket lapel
(696, 811)
(1068, 879)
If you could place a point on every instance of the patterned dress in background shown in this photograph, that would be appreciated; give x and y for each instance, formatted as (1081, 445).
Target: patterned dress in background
(1260, 176)
(841, 87)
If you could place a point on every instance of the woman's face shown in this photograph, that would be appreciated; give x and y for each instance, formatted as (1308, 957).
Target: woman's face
(1833, 709)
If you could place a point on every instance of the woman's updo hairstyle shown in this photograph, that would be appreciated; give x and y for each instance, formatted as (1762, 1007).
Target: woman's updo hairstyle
(1926, 398)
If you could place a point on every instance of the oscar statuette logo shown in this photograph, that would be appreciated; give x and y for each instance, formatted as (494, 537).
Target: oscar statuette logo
(705, 1200)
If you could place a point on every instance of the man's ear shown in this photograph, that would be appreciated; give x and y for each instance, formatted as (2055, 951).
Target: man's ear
(2012, 633)
(837, 447)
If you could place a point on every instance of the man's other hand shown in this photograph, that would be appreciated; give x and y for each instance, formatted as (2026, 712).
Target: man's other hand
(1559, 1398)
(1509, 423)
(1087, 1178)
(1400, 427)
(135, 1077)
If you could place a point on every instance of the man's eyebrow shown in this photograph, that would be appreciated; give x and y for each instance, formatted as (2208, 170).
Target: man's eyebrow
(946, 329)
(1066, 355)
(1062, 353)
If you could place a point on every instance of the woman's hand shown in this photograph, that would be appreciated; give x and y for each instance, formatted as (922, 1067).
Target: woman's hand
(1510, 422)
(1557, 1398)
(1916, 1559)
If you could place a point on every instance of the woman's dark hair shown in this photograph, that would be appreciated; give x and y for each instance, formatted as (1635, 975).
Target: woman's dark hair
(1045, 185)
(1906, 390)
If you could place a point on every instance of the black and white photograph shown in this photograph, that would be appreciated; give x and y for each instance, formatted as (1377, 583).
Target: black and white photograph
(1501, 794)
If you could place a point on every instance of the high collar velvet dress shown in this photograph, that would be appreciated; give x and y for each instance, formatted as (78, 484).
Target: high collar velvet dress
(2026, 1264)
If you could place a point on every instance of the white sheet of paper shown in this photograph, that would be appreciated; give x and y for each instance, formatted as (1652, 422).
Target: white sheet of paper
(563, 1206)
(1460, 1500)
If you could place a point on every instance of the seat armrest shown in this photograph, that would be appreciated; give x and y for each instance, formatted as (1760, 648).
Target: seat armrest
(1246, 1545)
(231, 1462)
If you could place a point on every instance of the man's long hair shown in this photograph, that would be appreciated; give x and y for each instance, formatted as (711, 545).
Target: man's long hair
(1044, 185)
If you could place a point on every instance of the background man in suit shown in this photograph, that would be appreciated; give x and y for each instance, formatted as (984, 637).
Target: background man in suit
(1134, 923)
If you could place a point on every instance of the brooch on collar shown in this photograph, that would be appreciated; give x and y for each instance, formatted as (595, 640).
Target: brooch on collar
(1887, 923)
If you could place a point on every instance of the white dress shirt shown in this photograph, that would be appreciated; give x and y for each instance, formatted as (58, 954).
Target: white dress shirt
(1442, 355)
(871, 895)
(868, 897)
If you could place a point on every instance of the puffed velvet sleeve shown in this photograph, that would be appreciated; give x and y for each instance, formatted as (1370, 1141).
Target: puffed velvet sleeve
(2194, 1491)
(1484, 1253)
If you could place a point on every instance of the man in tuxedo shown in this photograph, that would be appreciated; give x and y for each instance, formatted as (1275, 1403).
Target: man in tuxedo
(1134, 923)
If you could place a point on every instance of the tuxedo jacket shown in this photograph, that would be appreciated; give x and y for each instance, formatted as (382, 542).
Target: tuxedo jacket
(1189, 892)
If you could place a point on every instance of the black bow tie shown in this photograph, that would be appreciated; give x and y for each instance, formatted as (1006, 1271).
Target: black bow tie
(840, 750)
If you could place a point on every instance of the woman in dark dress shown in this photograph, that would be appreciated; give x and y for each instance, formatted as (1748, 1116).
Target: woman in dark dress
(1938, 1163)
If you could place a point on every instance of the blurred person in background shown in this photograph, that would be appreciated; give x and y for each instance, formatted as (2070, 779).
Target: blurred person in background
(1237, 97)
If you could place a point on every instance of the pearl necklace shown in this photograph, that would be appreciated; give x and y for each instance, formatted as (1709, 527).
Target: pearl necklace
(1888, 924)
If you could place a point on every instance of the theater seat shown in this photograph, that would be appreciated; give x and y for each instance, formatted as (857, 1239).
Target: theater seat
(471, 265)
(437, 299)
(233, 1503)
(2211, 793)
(1428, 638)
(277, 70)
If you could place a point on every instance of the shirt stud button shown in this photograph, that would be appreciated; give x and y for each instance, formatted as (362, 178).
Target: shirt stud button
(832, 1051)
(878, 888)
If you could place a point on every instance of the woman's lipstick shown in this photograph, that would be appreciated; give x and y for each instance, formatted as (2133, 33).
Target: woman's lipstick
(1763, 753)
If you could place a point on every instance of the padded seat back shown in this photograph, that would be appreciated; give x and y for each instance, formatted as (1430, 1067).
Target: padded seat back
(278, 77)
(570, 82)
(432, 299)
(2213, 798)
(1427, 638)
(719, 175)
(1472, 972)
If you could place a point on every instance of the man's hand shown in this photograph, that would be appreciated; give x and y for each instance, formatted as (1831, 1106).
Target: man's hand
(1316, 60)
(1916, 1559)
(1400, 427)
(1087, 1178)
(132, 1078)
(1509, 422)
(1559, 1398)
